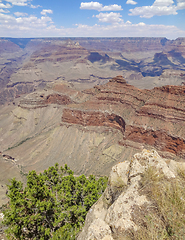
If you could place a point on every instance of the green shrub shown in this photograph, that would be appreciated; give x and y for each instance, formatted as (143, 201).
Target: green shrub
(53, 204)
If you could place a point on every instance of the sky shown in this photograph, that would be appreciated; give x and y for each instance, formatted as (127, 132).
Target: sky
(110, 18)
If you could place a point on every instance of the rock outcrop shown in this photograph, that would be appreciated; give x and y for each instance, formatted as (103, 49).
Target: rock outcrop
(58, 51)
(42, 100)
(123, 204)
(92, 118)
(150, 117)
(159, 139)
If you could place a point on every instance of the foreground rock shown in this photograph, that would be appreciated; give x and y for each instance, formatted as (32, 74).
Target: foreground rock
(118, 211)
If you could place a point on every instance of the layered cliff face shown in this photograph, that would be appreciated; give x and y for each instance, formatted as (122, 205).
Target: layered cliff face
(131, 44)
(152, 117)
(57, 51)
(129, 210)
(92, 118)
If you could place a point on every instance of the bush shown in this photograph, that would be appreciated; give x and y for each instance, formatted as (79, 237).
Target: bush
(52, 205)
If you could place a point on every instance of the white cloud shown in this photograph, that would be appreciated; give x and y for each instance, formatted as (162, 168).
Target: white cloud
(35, 6)
(23, 26)
(150, 11)
(20, 14)
(128, 22)
(18, 2)
(110, 17)
(113, 7)
(32, 26)
(180, 4)
(91, 6)
(141, 24)
(159, 8)
(131, 2)
(99, 7)
(163, 3)
(2, 5)
(4, 11)
(6, 18)
(45, 11)
(33, 22)
(125, 30)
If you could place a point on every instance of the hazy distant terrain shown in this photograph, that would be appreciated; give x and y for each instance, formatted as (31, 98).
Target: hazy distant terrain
(30, 64)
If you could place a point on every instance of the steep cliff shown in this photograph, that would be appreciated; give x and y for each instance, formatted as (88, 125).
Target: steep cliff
(152, 117)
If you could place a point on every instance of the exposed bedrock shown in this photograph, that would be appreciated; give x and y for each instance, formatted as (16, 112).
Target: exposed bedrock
(58, 52)
(159, 139)
(150, 117)
(57, 99)
(124, 207)
(7, 46)
(14, 91)
(92, 118)
(172, 89)
(130, 44)
(40, 100)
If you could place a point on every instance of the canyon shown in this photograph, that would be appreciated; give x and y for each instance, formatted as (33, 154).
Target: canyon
(27, 65)
(89, 102)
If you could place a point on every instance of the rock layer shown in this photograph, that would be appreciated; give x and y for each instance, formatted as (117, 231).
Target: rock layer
(151, 117)
(92, 118)
(159, 139)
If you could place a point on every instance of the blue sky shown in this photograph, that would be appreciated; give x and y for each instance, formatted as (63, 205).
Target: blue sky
(110, 18)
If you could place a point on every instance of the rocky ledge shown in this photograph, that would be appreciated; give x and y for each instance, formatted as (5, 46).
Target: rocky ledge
(41, 100)
(92, 118)
(124, 206)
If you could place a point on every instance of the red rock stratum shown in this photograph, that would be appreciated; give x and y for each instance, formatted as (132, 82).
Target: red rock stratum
(92, 118)
(151, 117)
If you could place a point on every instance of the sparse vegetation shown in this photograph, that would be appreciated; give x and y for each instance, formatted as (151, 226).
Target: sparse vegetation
(19, 143)
(23, 174)
(53, 205)
(165, 218)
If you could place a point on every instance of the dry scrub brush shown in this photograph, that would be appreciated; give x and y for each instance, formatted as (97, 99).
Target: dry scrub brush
(165, 217)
